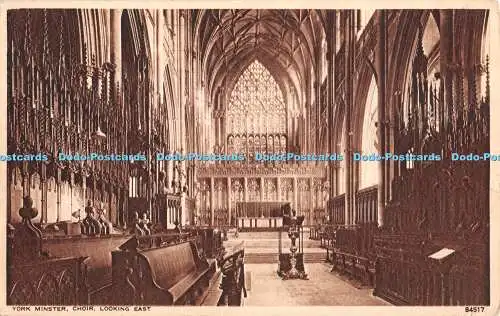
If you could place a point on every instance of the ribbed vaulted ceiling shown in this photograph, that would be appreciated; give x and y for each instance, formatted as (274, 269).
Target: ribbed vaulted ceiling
(287, 42)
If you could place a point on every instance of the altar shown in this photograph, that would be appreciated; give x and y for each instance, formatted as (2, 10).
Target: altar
(260, 215)
(260, 222)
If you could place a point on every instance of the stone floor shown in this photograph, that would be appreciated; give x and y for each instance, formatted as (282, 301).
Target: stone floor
(322, 288)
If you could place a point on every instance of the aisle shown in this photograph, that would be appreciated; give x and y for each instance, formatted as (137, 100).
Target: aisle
(322, 288)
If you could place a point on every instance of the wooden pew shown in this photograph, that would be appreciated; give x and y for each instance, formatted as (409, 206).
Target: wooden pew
(161, 275)
(97, 250)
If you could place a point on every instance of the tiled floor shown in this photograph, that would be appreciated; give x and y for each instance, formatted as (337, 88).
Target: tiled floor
(322, 288)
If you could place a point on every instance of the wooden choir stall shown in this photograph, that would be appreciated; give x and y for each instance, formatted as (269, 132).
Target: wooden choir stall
(170, 268)
(160, 274)
(430, 243)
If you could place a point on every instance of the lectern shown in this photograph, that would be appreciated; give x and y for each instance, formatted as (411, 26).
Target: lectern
(443, 261)
(291, 265)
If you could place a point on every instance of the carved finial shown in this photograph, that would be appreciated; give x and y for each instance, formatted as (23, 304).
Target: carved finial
(61, 46)
(27, 36)
(27, 239)
(420, 61)
(45, 36)
(85, 57)
(474, 89)
(28, 212)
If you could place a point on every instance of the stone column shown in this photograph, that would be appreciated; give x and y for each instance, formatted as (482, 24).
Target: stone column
(381, 65)
(446, 60)
(223, 132)
(349, 97)
(182, 77)
(331, 39)
(278, 189)
(169, 175)
(43, 180)
(229, 191)
(317, 104)
(160, 56)
(59, 184)
(245, 189)
(183, 210)
(261, 189)
(212, 201)
(312, 201)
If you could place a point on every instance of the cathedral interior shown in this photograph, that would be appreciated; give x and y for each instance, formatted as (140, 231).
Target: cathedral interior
(316, 87)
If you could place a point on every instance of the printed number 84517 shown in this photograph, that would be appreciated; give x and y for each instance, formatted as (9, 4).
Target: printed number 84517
(474, 309)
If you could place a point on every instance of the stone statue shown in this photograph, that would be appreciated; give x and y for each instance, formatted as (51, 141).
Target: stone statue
(177, 227)
(106, 225)
(136, 225)
(91, 225)
(144, 224)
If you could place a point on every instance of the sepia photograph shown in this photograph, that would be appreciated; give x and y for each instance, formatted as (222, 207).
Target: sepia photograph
(211, 157)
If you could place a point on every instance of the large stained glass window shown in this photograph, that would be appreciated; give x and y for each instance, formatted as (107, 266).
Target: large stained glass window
(256, 105)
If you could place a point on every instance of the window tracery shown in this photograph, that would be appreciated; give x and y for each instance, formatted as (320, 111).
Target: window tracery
(257, 113)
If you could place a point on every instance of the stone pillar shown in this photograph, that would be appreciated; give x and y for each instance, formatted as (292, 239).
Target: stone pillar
(278, 189)
(182, 77)
(43, 180)
(212, 201)
(245, 189)
(331, 39)
(223, 132)
(261, 189)
(312, 201)
(169, 175)
(229, 191)
(446, 60)
(216, 127)
(183, 210)
(160, 56)
(349, 98)
(381, 64)
(317, 104)
(183, 172)
(116, 45)
(59, 184)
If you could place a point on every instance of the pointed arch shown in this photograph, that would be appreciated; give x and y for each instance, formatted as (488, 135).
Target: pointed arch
(256, 104)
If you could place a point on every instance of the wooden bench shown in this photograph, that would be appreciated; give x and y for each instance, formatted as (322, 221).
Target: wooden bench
(165, 275)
